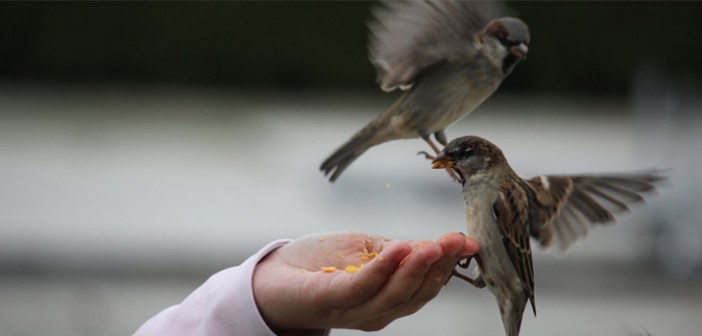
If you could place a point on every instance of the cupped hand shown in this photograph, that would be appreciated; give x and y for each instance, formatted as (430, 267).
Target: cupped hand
(353, 280)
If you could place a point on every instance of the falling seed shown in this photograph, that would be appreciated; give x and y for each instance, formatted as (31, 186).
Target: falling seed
(387, 185)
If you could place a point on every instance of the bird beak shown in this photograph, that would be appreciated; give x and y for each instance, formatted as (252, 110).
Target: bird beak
(443, 161)
(520, 50)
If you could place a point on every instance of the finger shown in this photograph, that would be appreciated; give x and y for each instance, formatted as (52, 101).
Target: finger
(398, 292)
(400, 288)
(455, 246)
(470, 247)
(366, 282)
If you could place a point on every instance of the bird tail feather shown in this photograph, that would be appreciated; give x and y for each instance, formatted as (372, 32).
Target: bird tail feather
(512, 312)
(336, 163)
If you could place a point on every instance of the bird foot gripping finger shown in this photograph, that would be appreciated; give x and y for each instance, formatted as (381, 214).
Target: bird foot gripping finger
(464, 264)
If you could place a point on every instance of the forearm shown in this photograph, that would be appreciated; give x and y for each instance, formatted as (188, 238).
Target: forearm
(223, 305)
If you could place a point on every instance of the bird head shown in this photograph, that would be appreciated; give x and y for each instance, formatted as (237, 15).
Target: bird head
(506, 42)
(469, 156)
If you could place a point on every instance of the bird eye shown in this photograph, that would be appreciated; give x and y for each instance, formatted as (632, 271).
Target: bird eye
(505, 41)
(464, 153)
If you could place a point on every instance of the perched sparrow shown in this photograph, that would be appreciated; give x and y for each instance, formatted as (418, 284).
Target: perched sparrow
(503, 211)
(446, 56)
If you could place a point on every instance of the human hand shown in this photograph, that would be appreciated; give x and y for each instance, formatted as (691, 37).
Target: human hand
(306, 284)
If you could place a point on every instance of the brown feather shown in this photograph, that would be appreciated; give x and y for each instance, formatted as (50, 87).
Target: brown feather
(547, 198)
(589, 207)
(565, 207)
(512, 218)
(611, 200)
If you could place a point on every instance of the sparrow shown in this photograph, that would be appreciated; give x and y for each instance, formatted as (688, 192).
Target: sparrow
(503, 211)
(446, 56)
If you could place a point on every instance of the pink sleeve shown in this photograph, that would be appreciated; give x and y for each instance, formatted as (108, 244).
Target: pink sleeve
(223, 305)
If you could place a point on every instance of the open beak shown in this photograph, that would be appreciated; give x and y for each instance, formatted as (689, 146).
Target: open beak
(520, 50)
(443, 161)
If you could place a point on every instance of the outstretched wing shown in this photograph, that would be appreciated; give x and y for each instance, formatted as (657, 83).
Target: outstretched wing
(566, 206)
(409, 36)
(512, 216)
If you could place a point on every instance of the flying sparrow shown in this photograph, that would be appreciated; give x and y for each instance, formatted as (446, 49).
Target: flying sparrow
(447, 57)
(503, 211)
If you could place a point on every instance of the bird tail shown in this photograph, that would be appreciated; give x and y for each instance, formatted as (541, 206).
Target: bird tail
(336, 163)
(512, 311)
(513, 325)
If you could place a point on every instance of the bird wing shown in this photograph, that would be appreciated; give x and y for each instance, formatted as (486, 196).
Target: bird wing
(409, 36)
(564, 207)
(512, 216)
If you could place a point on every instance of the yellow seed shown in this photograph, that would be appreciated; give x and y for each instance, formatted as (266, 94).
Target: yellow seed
(369, 256)
(328, 269)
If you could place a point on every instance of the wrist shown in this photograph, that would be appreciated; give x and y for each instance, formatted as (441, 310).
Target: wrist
(277, 299)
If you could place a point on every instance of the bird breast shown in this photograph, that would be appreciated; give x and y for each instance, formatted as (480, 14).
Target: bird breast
(498, 272)
(451, 91)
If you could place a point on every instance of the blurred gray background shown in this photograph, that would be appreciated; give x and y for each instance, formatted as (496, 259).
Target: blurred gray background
(145, 146)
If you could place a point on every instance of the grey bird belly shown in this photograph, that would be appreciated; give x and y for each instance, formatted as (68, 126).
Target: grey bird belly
(448, 93)
(497, 270)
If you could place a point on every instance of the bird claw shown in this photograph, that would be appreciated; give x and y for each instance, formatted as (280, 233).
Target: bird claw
(426, 155)
(464, 263)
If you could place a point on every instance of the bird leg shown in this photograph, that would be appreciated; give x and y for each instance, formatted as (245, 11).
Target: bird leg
(477, 281)
(431, 144)
(441, 137)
